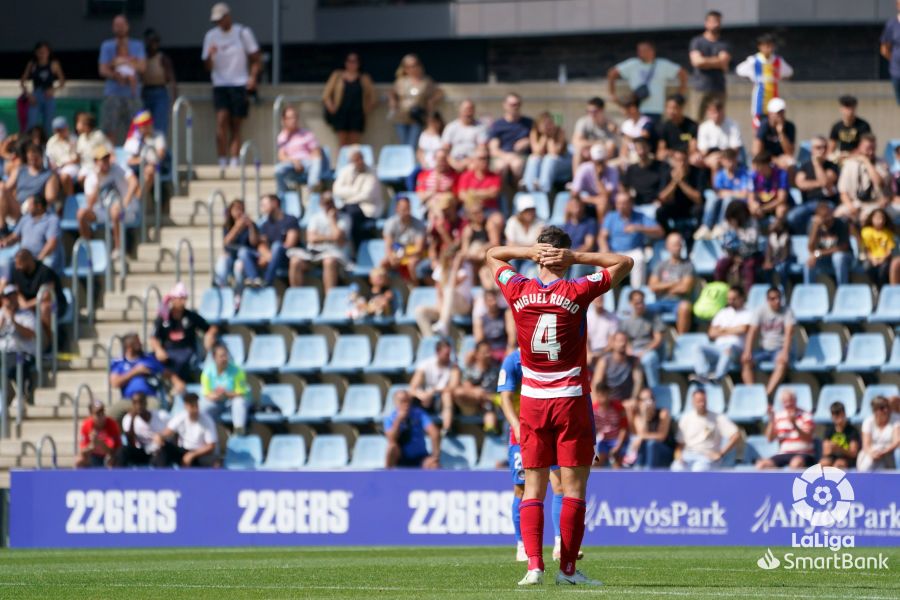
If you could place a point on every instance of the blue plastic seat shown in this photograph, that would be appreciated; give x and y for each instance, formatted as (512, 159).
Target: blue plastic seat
(393, 354)
(466, 345)
(823, 353)
(871, 392)
(888, 308)
(715, 397)
(279, 395)
(352, 353)
(66, 318)
(852, 304)
(258, 307)
(704, 256)
(748, 403)
(804, 152)
(217, 305)
(267, 354)
(829, 394)
(328, 451)
(362, 404)
(683, 353)
(494, 449)
(419, 296)
(889, 149)
(865, 353)
(458, 452)
(336, 308)
(396, 163)
(309, 354)
(757, 295)
(299, 306)
(343, 158)
(69, 220)
(809, 302)
(235, 345)
(623, 303)
(99, 258)
(369, 256)
(291, 204)
(801, 391)
(369, 452)
(893, 363)
(668, 396)
(427, 348)
(286, 451)
(243, 452)
(757, 447)
(318, 404)
(558, 217)
(313, 207)
(799, 251)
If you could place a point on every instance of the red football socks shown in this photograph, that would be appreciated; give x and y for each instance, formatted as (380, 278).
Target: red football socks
(571, 531)
(531, 513)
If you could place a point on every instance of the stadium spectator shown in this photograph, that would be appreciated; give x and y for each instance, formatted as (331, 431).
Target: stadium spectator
(479, 234)
(611, 425)
(463, 135)
(581, 228)
(225, 388)
(841, 442)
(99, 440)
(601, 325)
(681, 198)
(106, 177)
(672, 281)
(89, 140)
(773, 323)
(278, 233)
(47, 78)
(645, 336)
(404, 241)
(240, 238)
(741, 245)
(880, 437)
(703, 437)
(817, 180)
(881, 262)
(794, 430)
(378, 301)
(644, 179)
(159, 80)
(146, 150)
(495, 326)
(444, 229)
(62, 153)
(626, 231)
(678, 132)
(728, 332)
(766, 70)
(634, 127)
(710, 57)
(300, 159)
(593, 128)
(776, 135)
(890, 50)
(232, 56)
(864, 182)
(652, 444)
(405, 429)
(357, 186)
(327, 242)
(29, 276)
(38, 232)
(140, 425)
(619, 371)
(595, 181)
(479, 184)
(771, 184)
(549, 161)
(30, 179)
(175, 340)
(778, 257)
(349, 97)
(731, 182)
(473, 395)
(195, 438)
(829, 246)
(430, 383)
(413, 97)
(647, 77)
(430, 141)
(454, 278)
(716, 134)
(17, 336)
(139, 372)
(509, 142)
(122, 61)
(523, 228)
(439, 179)
(846, 133)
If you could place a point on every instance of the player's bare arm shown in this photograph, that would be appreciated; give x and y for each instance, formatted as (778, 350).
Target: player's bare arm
(500, 256)
(619, 266)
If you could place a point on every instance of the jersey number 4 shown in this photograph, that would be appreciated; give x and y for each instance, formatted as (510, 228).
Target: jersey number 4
(544, 339)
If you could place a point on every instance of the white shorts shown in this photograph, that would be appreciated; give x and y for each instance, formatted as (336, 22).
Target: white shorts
(132, 211)
(72, 170)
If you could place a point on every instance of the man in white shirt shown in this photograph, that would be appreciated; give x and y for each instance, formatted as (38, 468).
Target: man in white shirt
(728, 331)
(327, 242)
(429, 384)
(717, 133)
(231, 53)
(196, 438)
(703, 437)
(601, 325)
(463, 135)
(357, 188)
(139, 426)
(647, 76)
(108, 176)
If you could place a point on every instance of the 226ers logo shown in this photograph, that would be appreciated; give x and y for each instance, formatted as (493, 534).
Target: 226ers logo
(595, 277)
(505, 276)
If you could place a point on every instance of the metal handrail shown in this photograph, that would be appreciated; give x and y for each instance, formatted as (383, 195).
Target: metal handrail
(277, 107)
(145, 318)
(4, 388)
(109, 359)
(182, 102)
(182, 243)
(110, 271)
(81, 388)
(39, 332)
(214, 195)
(39, 451)
(76, 317)
(246, 147)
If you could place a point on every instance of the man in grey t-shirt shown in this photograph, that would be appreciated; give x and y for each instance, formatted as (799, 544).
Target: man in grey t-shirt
(404, 240)
(672, 281)
(645, 336)
(774, 324)
(710, 57)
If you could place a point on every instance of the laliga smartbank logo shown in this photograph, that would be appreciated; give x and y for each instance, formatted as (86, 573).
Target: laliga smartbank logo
(823, 497)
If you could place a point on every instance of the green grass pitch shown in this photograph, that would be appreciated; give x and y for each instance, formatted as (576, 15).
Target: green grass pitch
(472, 572)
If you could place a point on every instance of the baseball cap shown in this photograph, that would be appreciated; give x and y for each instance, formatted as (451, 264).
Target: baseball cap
(524, 202)
(10, 289)
(219, 10)
(776, 105)
(101, 152)
(60, 123)
(598, 152)
(142, 117)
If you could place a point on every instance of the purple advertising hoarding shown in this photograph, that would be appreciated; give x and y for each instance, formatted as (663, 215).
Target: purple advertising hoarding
(135, 508)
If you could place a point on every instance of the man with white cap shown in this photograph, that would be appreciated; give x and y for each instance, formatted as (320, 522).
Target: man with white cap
(231, 53)
(776, 135)
(595, 182)
(63, 155)
(108, 176)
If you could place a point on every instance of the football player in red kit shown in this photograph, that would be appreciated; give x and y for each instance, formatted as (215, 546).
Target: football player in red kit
(555, 414)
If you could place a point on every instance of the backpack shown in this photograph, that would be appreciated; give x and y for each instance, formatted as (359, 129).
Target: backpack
(713, 298)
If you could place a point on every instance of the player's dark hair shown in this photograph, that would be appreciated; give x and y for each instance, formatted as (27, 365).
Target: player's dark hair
(555, 236)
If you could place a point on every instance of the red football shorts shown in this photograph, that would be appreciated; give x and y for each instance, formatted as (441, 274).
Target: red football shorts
(556, 431)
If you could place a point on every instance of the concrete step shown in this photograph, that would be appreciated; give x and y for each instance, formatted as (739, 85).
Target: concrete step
(71, 379)
(59, 429)
(169, 267)
(206, 173)
(63, 461)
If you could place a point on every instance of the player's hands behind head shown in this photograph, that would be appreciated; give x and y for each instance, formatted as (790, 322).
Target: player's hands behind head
(557, 258)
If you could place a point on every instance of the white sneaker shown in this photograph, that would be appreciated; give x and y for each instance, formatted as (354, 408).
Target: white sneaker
(533, 577)
(520, 552)
(234, 163)
(702, 233)
(557, 548)
(578, 578)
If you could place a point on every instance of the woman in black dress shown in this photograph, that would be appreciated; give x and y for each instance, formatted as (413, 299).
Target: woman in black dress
(348, 97)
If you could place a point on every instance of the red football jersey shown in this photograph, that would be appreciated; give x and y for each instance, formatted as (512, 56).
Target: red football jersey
(551, 329)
